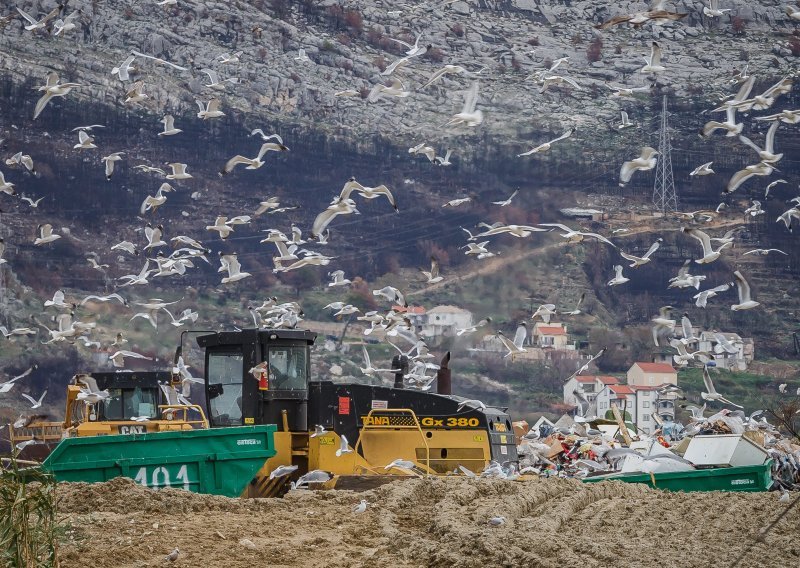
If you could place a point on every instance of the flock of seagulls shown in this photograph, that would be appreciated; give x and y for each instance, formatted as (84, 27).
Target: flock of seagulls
(294, 251)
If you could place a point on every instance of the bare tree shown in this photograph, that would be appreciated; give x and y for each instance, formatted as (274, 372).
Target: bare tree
(786, 414)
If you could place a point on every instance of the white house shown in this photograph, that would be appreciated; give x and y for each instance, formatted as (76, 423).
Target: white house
(445, 320)
(624, 397)
(739, 354)
(646, 401)
(591, 385)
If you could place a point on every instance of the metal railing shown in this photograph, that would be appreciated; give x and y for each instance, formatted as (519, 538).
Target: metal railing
(42, 431)
(369, 424)
(184, 410)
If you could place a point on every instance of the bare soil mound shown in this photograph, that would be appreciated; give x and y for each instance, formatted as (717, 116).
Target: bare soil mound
(429, 522)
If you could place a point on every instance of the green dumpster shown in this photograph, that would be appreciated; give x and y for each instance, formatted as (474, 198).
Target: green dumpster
(745, 478)
(220, 461)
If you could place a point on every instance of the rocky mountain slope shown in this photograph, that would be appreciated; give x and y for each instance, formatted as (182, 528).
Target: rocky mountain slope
(348, 45)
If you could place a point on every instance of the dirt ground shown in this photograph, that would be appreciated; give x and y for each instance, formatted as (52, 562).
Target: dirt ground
(429, 522)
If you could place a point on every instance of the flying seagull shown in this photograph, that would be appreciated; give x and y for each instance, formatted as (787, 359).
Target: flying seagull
(447, 69)
(254, 163)
(637, 261)
(645, 161)
(169, 126)
(21, 159)
(664, 325)
(764, 252)
(712, 10)
(712, 393)
(46, 234)
(515, 346)
(585, 366)
(124, 68)
(506, 202)
(34, 24)
(574, 236)
(547, 145)
(767, 155)
(709, 254)
(110, 160)
(618, 278)
(367, 192)
(158, 59)
(759, 169)
(337, 279)
(626, 122)
(743, 287)
(118, 358)
(231, 264)
(341, 207)
(656, 14)
(412, 49)
(654, 61)
(35, 403)
(210, 109)
(577, 309)
(433, 276)
(344, 448)
(396, 89)
(703, 170)
(468, 116)
(701, 298)
(771, 185)
(282, 470)
(266, 137)
(85, 142)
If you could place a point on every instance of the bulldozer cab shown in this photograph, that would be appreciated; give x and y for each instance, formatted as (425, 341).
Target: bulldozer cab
(138, 402)
(130, 395)
(257, 377)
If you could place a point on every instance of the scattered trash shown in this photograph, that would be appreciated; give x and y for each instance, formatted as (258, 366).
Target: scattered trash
(726, 451)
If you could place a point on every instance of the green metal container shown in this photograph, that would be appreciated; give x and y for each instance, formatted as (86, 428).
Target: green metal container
(746, 478)
(220, 461)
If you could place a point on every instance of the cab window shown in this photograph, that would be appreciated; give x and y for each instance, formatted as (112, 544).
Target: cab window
(288, 368)
(224, 371)
(124, 404)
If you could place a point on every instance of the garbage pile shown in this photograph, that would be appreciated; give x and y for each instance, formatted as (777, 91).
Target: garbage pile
(605, 449)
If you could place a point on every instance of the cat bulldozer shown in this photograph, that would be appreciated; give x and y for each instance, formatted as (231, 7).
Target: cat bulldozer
(138, 402)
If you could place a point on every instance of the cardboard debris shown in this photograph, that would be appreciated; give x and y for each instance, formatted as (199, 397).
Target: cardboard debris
(520, 429)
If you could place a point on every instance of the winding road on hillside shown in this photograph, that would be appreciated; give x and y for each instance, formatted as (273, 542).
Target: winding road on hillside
(496, 263)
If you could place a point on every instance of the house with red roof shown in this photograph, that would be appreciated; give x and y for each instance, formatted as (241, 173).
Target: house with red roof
(641, 398)
(550, 336)
(623, 396)
(652, 374)
(587, 386)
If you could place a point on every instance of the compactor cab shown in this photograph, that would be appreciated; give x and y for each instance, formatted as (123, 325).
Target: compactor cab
(237, 396)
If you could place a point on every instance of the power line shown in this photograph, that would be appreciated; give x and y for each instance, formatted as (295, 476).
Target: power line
(664, 196)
